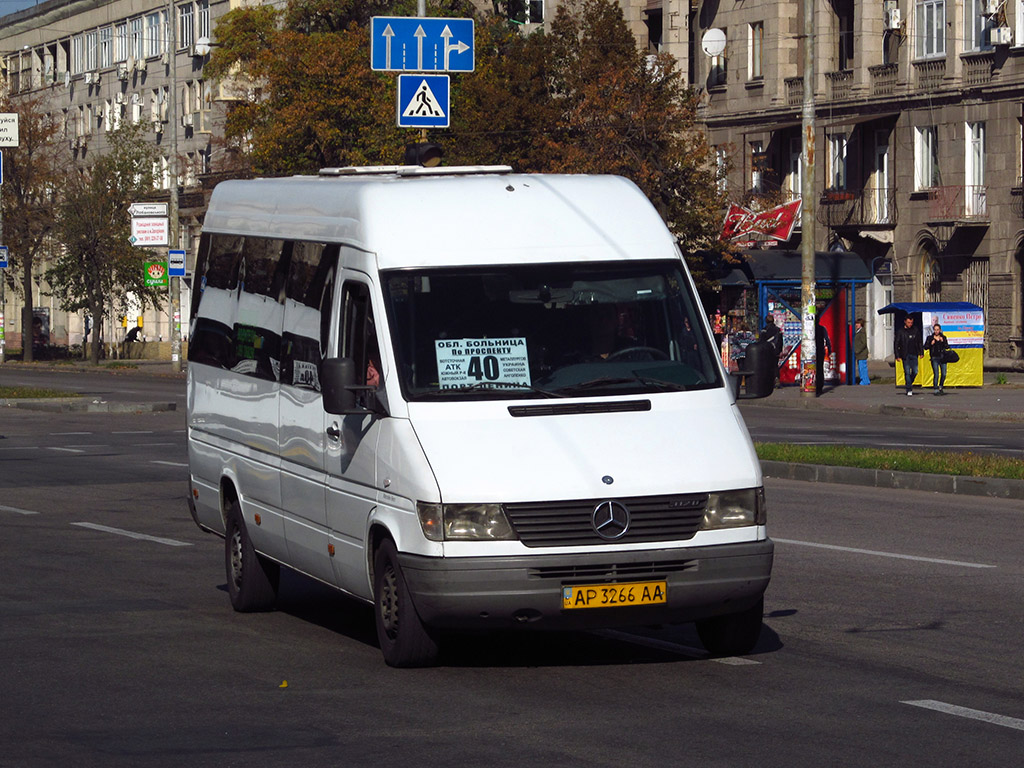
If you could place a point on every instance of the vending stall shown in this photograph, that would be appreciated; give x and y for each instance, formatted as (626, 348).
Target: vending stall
(963, 324)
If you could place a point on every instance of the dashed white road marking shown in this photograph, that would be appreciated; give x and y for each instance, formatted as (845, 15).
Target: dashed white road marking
(65, 434)
(663, 645)
(17, 511)
(67, 450)
(170, 463)
(874, 553)
(971, 714)
(134, 535)
(133, 432)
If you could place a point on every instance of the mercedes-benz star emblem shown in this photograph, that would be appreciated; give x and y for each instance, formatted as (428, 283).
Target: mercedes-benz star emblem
(610, 520)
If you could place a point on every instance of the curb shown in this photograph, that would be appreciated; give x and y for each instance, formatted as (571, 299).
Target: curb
(84, 405)
(885, 409)
(884, 478)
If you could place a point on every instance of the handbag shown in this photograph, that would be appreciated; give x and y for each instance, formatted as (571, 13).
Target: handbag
(950, 356)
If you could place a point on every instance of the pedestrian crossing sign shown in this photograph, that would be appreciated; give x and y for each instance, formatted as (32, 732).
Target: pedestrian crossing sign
(423, 101)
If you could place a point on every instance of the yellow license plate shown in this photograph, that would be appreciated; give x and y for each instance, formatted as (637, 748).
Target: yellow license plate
(613, 595)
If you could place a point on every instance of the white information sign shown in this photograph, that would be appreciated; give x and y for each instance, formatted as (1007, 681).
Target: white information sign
(8, 129)
(149, 231)
(487, 362)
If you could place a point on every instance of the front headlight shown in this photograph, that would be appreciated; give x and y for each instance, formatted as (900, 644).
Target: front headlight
(733, 509)
(464, 522)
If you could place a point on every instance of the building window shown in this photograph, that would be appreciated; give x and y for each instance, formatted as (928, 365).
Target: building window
(717, 74)
(153, 35)
(837, 161)
(186, 28)
(77, 55)
(926, 157)
(106, 47)
(976, 25)
(92, 50)
(121, 42)
(844, 18)
(758, 161)
(755, 45)
(721, 169)
(975, 195)
(930, 28)
(203, 18)
(136, 46)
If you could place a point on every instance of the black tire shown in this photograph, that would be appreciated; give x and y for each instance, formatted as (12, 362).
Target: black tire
(735, 634)
(252, 579)
(404, 640)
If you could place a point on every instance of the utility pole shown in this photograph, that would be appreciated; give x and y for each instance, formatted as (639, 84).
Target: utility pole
(174, 302)
(808, 350)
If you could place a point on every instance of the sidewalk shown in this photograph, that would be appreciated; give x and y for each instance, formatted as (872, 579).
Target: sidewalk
(991, 402)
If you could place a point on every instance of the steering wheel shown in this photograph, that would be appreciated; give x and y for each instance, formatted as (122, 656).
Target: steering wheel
(637, 353)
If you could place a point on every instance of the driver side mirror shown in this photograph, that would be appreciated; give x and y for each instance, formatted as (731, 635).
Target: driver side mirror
(758, 375)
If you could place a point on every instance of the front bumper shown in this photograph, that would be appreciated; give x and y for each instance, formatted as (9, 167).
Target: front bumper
(497, 592)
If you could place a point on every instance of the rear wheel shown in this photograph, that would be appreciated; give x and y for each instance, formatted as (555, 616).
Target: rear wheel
(403, 638)
(735, 634)
(252, 578)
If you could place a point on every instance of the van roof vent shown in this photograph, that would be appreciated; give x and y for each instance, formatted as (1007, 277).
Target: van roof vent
(415, 170)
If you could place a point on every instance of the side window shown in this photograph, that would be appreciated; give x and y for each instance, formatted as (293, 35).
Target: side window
(358, 334)
(309, 291)
(215, 300)
(260, 317)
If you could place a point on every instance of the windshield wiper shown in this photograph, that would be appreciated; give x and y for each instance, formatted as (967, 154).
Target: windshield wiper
(486, 387)
(613, 381)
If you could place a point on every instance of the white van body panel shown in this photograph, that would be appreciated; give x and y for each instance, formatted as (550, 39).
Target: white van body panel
(480, 453)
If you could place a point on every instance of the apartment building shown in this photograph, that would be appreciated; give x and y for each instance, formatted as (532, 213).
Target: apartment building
(94, 64)
(918, 115)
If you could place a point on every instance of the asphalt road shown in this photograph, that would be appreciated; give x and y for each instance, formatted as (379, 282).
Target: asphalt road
(892, 636)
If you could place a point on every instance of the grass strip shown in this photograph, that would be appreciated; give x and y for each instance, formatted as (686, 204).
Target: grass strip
(930, 462)
(31, 393)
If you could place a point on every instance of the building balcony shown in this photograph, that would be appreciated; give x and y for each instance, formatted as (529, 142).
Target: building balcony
(862, 208)
(977, 68)
(794, 91)
(883, 79)
(840, 84)
(959, 205)
(928, 74)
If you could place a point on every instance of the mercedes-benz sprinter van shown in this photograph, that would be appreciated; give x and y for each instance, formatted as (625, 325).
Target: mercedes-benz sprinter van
(475, 399)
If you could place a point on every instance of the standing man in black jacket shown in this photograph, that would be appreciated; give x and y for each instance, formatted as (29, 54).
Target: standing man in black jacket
(908, 348)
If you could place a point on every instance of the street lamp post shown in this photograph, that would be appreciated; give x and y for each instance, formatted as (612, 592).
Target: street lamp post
(174, 286)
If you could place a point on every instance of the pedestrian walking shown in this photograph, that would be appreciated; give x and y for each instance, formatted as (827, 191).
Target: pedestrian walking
(937, 346)
(822, 352)
(860, 351)
(908, 349)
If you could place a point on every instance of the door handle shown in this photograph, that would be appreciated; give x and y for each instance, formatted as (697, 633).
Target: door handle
(334, 433)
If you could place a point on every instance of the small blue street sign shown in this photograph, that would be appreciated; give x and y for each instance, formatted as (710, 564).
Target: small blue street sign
(423, 101)
(176, 263)
(421, 44)
(1, 167)
(3, 261)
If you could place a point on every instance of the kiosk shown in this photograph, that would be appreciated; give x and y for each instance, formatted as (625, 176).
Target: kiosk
(964, 326)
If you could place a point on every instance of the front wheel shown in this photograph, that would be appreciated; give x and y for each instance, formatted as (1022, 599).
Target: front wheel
(735, 634)
(403, 638)
(252, 579)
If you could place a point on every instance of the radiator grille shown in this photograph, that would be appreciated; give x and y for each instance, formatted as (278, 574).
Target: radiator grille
(570, 523)
(611, 572)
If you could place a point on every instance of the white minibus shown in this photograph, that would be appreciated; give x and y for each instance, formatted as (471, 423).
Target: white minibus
(475, 399)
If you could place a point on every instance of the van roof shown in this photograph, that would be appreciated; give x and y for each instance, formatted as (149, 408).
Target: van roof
(416, 217)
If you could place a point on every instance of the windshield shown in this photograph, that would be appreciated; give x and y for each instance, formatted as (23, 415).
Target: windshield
(564, 330)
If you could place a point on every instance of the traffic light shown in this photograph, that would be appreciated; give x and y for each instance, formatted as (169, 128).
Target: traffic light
(425, 153)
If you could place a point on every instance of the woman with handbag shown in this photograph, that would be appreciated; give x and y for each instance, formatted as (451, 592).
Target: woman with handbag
(937, 346)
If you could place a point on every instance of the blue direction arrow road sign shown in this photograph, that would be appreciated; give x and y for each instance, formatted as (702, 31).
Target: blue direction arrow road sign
(423, 101)
(421, 44)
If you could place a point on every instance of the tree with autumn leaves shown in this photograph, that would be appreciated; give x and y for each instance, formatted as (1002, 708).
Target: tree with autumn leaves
(578, 98)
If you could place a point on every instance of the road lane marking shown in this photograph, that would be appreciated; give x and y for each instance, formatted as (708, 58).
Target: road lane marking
(66, 450)
(971, 714)
(133, 534)
(663, 645)
(65, 434)
(134, 432)
(170, 463)
(895, 555)
(17, 511)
